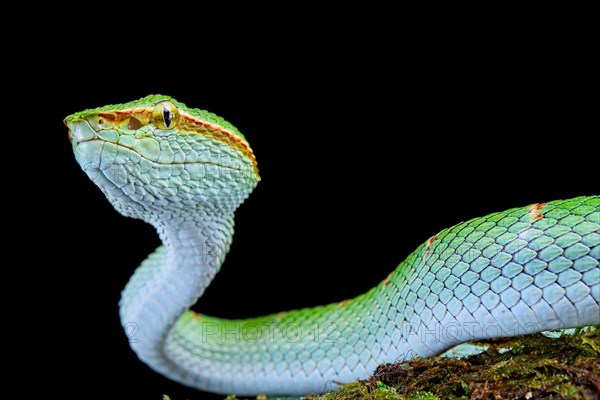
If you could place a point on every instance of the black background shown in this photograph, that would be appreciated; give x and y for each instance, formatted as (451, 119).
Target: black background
(364, 154)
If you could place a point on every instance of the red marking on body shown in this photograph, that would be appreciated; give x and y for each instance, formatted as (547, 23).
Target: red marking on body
(387, 280)
(427, 245)
(431, 240)
(538, 206)
(195, 316)
(534, 213)
(343, 303)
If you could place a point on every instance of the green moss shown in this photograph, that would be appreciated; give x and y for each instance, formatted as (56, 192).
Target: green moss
(534, 366)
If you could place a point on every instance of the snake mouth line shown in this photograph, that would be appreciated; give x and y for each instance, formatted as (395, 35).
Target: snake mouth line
(212, 163)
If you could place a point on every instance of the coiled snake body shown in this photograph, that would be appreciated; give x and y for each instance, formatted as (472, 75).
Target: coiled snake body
(185, 171)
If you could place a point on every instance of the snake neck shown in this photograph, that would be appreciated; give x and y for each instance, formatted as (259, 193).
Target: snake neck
(171, 280)
(198, 244)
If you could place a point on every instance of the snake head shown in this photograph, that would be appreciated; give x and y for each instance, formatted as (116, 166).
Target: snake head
(156, 155)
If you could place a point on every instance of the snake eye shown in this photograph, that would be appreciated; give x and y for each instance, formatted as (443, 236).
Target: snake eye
(165, 115)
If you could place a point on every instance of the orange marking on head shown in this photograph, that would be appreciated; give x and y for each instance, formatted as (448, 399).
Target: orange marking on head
(190, 123)
(119, 116)
(108, 116)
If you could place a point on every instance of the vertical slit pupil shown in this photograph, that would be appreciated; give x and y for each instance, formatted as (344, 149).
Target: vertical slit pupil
(167, 117)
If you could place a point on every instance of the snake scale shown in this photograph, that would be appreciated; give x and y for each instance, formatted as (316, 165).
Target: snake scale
(185, 171)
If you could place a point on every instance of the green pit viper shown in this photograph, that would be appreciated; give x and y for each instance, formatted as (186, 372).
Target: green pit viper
(186, 171)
